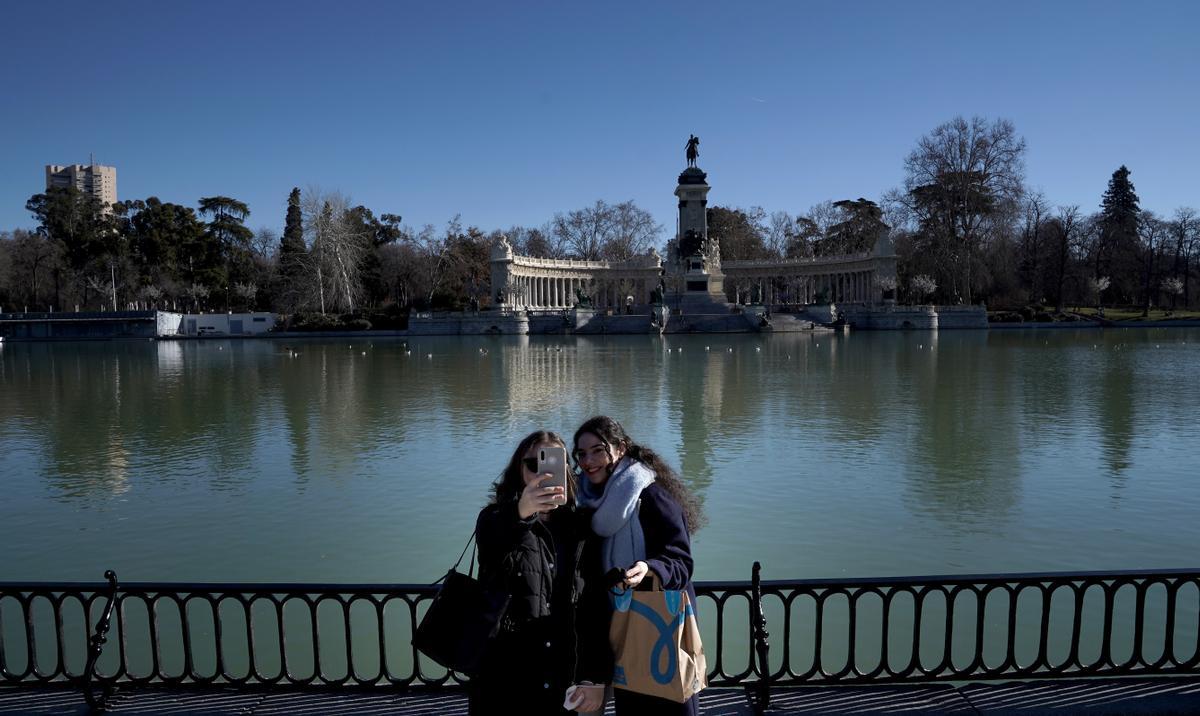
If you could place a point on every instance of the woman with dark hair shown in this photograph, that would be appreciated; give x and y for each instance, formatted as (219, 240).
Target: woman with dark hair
(644, 516)
(531, 546)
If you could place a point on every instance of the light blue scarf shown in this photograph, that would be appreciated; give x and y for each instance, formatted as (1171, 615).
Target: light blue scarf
(616, 503)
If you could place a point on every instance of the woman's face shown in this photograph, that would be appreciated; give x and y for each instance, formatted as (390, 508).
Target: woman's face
(529, 463)
(596, 458)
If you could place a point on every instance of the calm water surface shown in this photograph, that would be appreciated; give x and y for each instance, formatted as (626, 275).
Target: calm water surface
(355, 460)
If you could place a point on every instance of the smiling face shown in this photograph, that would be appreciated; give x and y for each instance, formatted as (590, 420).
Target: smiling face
(596, 458)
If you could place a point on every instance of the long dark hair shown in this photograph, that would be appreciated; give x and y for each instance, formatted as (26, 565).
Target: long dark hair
(611, 433)
(510, 484)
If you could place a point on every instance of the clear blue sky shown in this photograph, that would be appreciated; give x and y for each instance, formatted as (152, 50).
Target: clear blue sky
(509, 112)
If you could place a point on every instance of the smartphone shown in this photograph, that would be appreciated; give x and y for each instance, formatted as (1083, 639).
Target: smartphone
(553, 460)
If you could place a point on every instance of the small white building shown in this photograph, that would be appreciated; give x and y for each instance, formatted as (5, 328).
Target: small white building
(226, 324)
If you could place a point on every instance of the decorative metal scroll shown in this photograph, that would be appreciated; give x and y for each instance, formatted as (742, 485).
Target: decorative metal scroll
(917, 629)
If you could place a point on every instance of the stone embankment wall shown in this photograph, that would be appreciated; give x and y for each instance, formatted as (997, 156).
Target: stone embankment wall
(962, 316)
(468, 324)
(600, 322)
(892, 318)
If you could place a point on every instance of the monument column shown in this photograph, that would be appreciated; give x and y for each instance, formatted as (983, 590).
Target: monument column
(696, 257)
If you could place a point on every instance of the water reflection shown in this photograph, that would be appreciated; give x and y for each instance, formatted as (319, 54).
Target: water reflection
(964, 447)
(875, 450)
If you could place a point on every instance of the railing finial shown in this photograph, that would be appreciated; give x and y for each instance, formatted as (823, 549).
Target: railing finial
(96, 645)
(761, 690)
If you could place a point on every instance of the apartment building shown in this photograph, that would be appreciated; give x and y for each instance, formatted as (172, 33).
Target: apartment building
(95, 179)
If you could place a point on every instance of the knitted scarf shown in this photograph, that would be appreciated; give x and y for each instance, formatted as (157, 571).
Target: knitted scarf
(616, 503)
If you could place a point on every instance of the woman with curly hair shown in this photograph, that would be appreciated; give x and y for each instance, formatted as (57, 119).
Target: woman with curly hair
(644, 516)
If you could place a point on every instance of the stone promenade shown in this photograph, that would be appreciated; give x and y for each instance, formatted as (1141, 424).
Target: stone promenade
(1099, 696)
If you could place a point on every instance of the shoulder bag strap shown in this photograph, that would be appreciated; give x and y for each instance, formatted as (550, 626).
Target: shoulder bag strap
(471, 542)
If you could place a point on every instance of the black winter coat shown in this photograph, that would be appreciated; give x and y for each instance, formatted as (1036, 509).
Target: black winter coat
(555, 630)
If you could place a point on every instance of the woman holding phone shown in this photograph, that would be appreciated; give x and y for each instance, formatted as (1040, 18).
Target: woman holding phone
(644, 516)
(532, 540)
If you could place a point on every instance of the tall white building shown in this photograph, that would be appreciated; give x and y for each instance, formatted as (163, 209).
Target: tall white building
(95, 179)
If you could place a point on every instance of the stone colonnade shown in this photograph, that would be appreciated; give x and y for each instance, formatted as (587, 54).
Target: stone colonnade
(800, 282)
(526, 282)
(554, 284)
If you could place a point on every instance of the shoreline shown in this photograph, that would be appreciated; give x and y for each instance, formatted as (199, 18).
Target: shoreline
(401, 334)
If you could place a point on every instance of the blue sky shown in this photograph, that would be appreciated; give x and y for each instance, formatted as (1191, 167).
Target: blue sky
(509, 112)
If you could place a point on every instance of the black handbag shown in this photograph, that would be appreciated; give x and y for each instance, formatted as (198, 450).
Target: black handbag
(463, 617)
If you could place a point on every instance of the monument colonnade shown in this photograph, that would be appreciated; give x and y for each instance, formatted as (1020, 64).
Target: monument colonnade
(843, 279)
(554, 284)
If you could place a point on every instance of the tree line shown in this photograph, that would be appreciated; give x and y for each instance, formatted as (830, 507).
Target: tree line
(964, 225)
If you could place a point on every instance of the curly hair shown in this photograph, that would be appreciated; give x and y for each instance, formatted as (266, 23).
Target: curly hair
(611, 433)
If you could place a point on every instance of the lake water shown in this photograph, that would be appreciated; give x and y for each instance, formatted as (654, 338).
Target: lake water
(359, 460)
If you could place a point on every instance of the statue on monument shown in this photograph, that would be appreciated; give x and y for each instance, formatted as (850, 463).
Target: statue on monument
(691, 244)
(693, 149)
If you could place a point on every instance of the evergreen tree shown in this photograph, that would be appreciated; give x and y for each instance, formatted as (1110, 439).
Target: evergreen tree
(1119, 255)
(292, 243)
(292, 254)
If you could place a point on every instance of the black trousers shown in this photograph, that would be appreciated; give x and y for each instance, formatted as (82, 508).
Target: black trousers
(628, 703)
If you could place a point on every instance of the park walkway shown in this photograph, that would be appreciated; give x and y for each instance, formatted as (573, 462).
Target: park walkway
(1095, 696)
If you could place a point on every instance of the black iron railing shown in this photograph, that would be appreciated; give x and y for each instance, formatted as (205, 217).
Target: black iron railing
(918, 629)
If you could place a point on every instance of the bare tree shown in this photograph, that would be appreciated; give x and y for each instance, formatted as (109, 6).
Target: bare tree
(541, 241)
(336, 250)
(1035, 210)
(1064, 235)
(265, 243)
(1185, 228)
(32, 259)
(605, 231)
(1154, 234)
(781, 232)
(634, 232)
(958, 176)
(812, 228)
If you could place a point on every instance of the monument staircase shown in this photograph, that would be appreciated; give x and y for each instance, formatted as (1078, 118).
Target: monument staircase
(786, 323)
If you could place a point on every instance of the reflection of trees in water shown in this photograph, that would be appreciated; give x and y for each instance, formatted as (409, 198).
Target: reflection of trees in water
(343, 399)
(1116, 406)
(105, 410)
(861, 383)
(964, 465)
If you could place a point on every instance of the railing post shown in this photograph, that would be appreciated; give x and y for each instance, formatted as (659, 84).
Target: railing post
(96, 646)
(760, 691)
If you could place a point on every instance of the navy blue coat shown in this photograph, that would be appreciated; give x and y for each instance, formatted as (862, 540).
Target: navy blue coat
(668, 545)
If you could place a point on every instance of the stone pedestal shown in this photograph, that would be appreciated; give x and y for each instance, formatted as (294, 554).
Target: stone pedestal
(580, 317)
(696, 257)
(823, 313)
